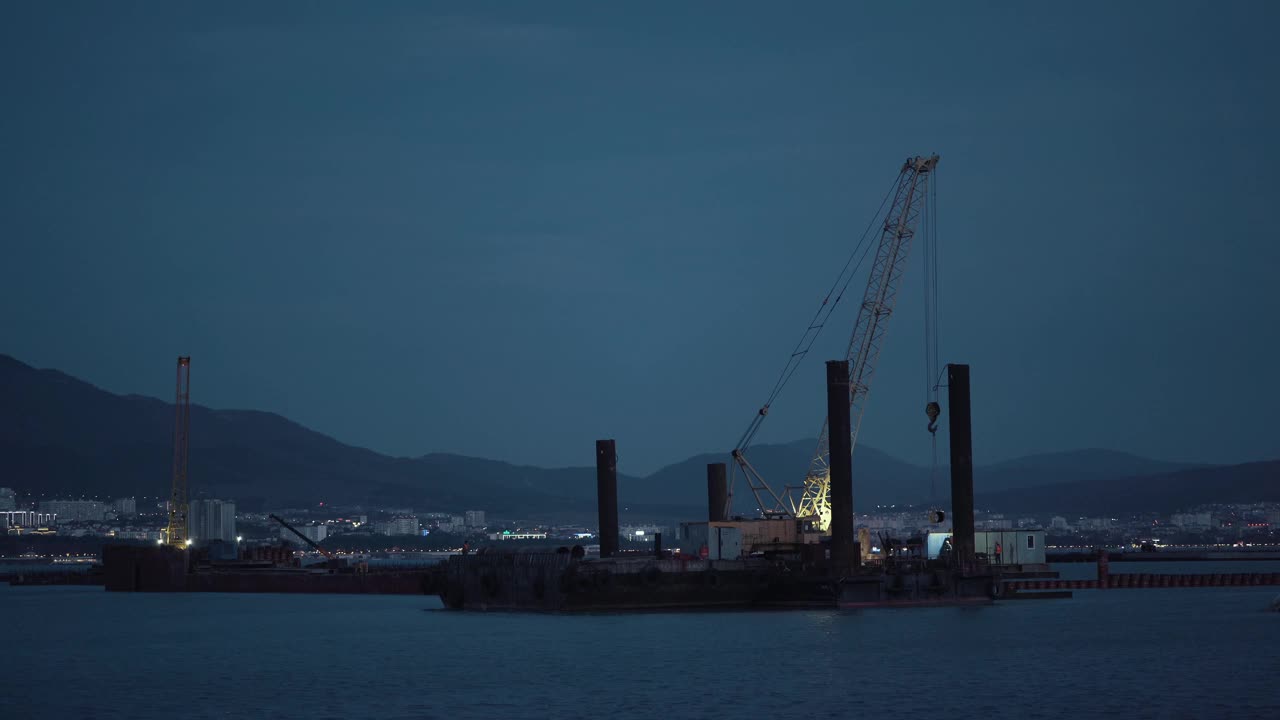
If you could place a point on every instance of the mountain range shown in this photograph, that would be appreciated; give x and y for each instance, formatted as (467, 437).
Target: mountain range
(62, 436)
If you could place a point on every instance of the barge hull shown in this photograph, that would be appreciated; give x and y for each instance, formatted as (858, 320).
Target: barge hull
(129, 568)
(553, 582)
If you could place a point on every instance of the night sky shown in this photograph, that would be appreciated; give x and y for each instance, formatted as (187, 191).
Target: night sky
(508, 230)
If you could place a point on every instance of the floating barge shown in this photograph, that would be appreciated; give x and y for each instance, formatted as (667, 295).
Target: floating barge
(780, 566)
(779, 569)
(559, 582)
(1105, 580)
(157, 568)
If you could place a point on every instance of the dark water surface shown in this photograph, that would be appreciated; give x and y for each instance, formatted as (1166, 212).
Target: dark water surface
(76, 652)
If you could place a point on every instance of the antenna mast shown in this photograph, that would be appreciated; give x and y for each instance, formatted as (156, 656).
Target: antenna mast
(178, 506)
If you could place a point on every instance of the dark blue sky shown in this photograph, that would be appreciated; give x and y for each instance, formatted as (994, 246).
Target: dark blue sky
(507, 230)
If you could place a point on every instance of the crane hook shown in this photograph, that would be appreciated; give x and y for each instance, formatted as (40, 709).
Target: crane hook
(933, 410)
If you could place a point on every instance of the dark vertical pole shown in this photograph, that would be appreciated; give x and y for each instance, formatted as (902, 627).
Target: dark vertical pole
(607, 496)
(717, 493)
(840, 444)
(961, 462)
(657, 544)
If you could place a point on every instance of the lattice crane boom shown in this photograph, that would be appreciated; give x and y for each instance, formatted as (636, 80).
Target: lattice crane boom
(909, 196)
(177, 532)
(872, 324)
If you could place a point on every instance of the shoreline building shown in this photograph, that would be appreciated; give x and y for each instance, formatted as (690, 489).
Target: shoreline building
(125, 507)
(26, 519)
(404, 525)
(74, 510)
(315, 533)
(211, 520)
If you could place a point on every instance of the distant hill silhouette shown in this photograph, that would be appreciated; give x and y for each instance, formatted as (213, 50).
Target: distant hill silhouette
(60, 436)
(1165, 492)
(878, 477)
(881, 479)
(1070, 466)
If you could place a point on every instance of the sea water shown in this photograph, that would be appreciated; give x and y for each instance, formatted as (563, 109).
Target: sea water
(80, 652)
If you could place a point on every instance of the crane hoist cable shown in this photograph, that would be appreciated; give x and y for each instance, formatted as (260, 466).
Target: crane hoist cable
(909, 195)
(767, 501)
(869, 330)
(816, 324)
(932, 353)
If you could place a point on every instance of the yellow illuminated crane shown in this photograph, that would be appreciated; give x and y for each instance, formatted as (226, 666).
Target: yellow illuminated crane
(908, 200)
